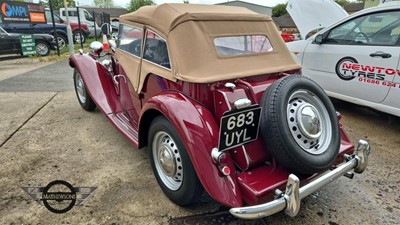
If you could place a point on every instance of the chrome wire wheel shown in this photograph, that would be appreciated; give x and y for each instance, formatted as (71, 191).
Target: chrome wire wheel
(309, 122)
(80, 88)
(167, 160)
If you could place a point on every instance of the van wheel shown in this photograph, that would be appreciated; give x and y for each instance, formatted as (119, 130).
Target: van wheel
(171, 164)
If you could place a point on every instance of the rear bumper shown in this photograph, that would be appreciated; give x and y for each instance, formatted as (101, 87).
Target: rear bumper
(290, 199)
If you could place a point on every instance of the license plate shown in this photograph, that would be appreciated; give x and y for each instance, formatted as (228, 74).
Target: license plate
(239, 127)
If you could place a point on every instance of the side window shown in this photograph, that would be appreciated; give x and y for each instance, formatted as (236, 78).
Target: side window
(130, 39)
(374, 29)
(155, 50)
(88, 16)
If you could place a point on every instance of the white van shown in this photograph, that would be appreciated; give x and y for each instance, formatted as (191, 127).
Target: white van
(84, 16)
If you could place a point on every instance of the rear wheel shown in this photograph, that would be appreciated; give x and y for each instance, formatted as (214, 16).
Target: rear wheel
(83, 96)
(171, 164)
(299, 125)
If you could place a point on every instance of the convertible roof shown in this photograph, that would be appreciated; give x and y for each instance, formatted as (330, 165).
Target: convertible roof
(167, 16)
(191, 31)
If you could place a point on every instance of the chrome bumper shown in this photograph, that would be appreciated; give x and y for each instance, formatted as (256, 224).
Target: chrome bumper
(290, 199)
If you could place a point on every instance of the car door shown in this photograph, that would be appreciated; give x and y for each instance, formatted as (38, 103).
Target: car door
(356, 58)
(9, 43)
(128, 55)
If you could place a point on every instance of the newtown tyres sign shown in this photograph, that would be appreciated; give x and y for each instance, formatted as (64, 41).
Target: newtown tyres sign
(21, 12)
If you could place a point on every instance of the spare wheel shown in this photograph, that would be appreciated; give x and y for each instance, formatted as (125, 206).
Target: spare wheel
(299, 125)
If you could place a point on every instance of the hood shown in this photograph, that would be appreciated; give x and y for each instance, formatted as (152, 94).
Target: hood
(310, 15)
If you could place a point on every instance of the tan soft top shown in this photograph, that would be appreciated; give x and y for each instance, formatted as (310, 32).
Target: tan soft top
(190, 30)
(167, 16)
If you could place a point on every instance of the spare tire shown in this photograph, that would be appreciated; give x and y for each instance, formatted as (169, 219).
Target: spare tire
(299, 125)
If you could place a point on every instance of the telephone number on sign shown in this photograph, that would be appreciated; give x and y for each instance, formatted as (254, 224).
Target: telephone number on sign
(377, 82)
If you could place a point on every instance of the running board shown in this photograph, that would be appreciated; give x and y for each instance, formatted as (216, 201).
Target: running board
(124, 124)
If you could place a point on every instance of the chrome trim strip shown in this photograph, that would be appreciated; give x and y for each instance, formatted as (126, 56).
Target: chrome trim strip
(124, 126)
(290, 201)
(226, 99)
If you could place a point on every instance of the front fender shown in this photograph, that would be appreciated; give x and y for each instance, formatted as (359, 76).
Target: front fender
(200, 133)
(97, 82)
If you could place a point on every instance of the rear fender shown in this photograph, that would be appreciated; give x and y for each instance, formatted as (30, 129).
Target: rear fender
(200, 133)
(98, 82)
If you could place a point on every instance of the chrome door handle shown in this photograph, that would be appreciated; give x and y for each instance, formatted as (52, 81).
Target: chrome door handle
(118, 76)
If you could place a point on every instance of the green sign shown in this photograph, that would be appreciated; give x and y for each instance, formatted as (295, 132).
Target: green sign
(28, 46)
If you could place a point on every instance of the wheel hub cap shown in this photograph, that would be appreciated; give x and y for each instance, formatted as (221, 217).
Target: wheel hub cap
(167, 161)
(80, 88)
(309, 121)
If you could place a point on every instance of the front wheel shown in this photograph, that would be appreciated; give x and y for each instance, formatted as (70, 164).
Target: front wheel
(42, 48)
(79, 37)
(171, 164)
(83, 96)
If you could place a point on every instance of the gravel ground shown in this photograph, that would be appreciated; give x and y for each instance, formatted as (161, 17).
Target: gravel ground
(46, 136)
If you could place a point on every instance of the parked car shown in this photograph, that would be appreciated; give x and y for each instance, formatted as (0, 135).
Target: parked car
(38, 28)
(78, 33)
(197, 87)
(355, 59)
(85, 17)
(10, 43)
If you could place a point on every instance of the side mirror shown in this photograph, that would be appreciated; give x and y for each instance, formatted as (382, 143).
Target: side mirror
(318, 39)
(105, 29)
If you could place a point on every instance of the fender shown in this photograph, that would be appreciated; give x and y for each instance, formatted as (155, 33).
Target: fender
(97, 82)
(200, 133)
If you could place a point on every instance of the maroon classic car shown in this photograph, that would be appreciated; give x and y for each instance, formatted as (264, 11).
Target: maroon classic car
(216, 97)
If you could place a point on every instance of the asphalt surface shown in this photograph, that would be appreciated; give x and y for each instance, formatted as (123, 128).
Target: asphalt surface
(46, 136)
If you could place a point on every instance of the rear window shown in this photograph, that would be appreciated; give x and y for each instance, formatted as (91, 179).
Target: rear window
(242, 45)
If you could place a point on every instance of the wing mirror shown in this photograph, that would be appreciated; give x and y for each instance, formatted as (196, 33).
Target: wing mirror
(318, 39)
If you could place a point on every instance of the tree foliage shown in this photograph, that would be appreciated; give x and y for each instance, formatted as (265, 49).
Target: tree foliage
(279, 10)
(104, 3)
(136, 4)
(57, 4)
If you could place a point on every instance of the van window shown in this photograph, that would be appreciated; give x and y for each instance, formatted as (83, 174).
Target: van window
(130, 39)
(57, 19)
(88, 16)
